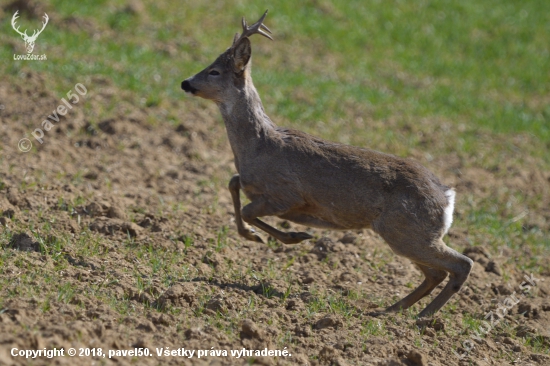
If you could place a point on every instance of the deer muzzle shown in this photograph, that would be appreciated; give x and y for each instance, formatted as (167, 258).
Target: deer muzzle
(186, 86)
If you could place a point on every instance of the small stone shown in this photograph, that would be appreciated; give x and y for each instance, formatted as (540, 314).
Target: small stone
(91, 175)
(348, 238)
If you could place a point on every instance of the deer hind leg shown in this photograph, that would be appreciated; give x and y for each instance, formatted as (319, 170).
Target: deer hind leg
(438, 257)
(234, 187)
(458, 266)
(433, 278)
(260, 207)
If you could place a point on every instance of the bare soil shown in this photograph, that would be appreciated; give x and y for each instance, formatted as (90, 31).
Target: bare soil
(136, 189)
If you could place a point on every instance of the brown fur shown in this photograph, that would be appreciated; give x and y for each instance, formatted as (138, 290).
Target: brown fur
(310, 181)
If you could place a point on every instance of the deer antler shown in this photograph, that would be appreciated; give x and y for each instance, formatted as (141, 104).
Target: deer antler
(36, 33)
(257, 27)
(13, 19)
(25, 35)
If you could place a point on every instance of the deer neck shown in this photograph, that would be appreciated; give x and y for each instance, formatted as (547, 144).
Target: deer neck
(246, 122)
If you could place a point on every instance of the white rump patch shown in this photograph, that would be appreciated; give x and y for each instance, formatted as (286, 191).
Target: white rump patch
(448, 214)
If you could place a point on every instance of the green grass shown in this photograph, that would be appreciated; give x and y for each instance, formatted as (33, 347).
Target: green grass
(497, 227)
(479, 63)
(373, 327)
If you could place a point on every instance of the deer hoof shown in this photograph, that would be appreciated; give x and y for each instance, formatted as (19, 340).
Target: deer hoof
(257, 239)
(248, 234)
(377, 312)
(294, 238)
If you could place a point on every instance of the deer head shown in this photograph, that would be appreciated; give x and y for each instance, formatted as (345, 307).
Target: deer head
(218, 81)
(29, 40)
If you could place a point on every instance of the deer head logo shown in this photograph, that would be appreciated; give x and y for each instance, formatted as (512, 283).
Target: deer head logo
(29, 40)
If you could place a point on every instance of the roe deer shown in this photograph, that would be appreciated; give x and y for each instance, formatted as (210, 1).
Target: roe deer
(310, 181)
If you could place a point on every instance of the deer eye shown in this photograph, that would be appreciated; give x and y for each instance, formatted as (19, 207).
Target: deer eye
(214, 73)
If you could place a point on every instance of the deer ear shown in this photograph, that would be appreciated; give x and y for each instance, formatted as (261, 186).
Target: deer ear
(241, 55)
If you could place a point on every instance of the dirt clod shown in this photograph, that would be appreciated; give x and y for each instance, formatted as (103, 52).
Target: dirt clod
(528, 309)
(329, 321)
(525, 331)
(250, 330)
(417, 359)
(109, 226)
(24, 242)
(294, 304)
(216, 304)
(94, 209)
(434, 323)
(541, 359)
(178, 295)
(322, 247)
(8, 213)
(13, 196)
(493, 267)
(116, 213)
(477, 254)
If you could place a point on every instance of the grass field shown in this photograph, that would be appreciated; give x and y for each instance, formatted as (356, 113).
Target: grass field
(479, 64)
(461, 86)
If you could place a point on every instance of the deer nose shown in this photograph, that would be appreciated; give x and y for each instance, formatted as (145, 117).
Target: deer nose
(186, 85)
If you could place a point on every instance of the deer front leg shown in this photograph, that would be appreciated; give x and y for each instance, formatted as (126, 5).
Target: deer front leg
(260, 207)
(234, 187)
